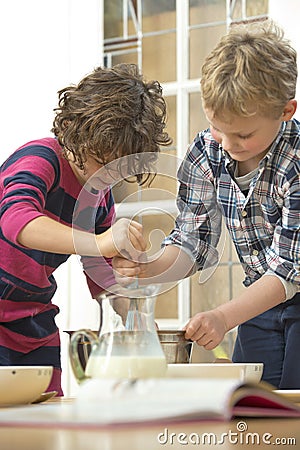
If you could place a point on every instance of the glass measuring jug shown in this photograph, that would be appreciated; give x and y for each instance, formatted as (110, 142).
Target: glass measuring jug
(127, 345)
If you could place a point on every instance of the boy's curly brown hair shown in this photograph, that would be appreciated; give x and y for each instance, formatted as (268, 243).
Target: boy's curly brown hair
(112, 113)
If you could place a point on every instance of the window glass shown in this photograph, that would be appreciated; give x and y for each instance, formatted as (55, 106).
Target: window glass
(202, 41)
(197, 119)
(156, 227)
(159, 57)
(113, 11)
(252, 8)
(257, 7)
(206, 296)
(158, 15)
(236, 11)
(171, 117)
(164, 184)
(126, 58)
(207, 11)
(167, 305)
(125, 191)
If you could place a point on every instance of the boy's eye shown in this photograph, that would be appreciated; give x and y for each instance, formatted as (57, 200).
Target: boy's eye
(245, 137)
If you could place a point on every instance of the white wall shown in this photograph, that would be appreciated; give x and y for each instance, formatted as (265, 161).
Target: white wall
(45, 46)
(287, 15)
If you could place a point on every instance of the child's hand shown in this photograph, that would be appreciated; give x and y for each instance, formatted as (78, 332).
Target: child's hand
(123, 238)
(206, 328)
(125, 270)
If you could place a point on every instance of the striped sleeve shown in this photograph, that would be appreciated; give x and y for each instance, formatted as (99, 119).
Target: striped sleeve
(26, 178)
(98, 270)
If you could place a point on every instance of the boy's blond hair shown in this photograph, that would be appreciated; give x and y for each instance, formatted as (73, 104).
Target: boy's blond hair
(253, 69)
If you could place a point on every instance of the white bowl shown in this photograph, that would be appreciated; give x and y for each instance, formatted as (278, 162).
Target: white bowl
(245, 372)
(23, 384)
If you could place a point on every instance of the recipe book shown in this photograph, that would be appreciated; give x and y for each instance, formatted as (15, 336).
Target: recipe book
(103, 403)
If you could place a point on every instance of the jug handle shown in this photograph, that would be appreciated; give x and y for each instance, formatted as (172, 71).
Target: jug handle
(78, 370)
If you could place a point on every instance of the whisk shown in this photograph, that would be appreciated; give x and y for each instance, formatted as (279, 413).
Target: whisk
(133, 320)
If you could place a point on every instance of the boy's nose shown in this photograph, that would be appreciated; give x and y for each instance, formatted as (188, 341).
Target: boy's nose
(228, 144)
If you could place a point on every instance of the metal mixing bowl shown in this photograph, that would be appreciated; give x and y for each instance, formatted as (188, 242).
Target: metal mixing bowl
(177, 349)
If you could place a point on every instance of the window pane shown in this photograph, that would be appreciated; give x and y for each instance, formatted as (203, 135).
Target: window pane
(113, 11)
(202, 41)
(155, 228)
(197, 119)
(204, 11)
(207, 296)
(127, 58)
(253, 8)
(237, 280)
(167, 305)
(171, 117)
(212, 293)
(158, 15)
(164, 185)
(159, 57)
(125, 192)
(236, 12)
(257, 7)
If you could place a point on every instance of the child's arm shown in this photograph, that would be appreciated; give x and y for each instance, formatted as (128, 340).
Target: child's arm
(172, 264)
(46, 234)
(208, 328)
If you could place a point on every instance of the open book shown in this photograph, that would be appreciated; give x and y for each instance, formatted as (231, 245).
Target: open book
(108, 402)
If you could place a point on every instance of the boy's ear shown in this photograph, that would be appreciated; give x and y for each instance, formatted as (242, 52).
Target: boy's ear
(289, 110)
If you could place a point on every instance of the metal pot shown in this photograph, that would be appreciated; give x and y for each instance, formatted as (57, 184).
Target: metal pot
(177, 349)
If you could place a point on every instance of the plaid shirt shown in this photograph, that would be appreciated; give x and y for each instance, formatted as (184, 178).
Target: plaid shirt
(264, 224)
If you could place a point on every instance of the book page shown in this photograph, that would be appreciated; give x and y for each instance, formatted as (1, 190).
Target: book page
(108, 402)
(103, 402)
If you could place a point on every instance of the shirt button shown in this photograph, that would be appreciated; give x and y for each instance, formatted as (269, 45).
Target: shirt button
(244, 213)
(255, 252)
